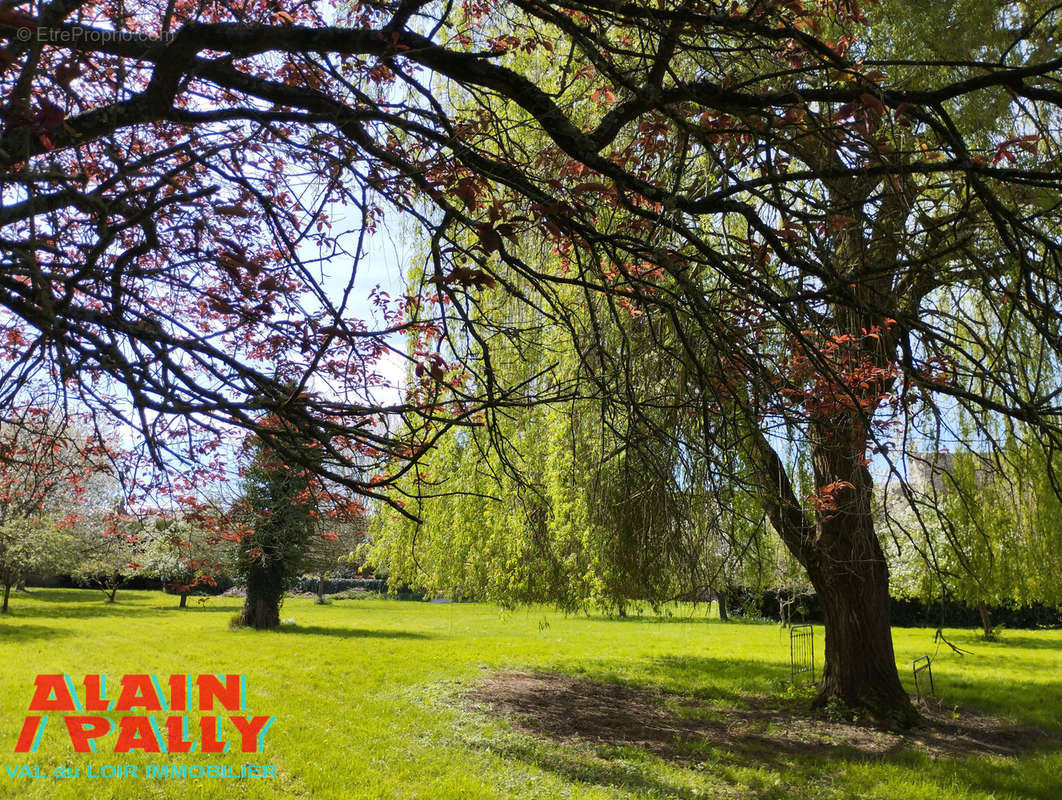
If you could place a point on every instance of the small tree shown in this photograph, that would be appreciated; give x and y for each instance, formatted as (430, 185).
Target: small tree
(49, 467)
(33, 544)
(334, 546)
(110, 554)
(185, 555)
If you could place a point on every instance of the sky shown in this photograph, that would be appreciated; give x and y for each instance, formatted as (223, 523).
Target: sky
(385, 264)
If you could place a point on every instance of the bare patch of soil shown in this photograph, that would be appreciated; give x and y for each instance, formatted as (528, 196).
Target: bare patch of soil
(563, 707)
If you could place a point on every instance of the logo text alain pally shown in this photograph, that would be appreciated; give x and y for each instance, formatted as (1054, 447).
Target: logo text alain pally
(164, 731)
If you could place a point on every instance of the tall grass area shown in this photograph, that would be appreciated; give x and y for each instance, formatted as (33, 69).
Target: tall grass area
(368, 698)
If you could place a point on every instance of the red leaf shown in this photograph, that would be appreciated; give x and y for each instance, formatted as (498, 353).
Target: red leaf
(836, 222)
(467, 190)
(50, 116)
(598, 187)
(1004, 154)
(489, 239)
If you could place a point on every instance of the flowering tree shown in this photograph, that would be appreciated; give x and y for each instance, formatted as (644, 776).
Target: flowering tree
(109, 551)
(811, 225)
(186, 554)
(33, 544)
(51, 471)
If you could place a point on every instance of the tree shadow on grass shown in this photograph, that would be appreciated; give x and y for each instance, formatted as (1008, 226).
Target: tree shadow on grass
(350, 633)
(82, 610)
(205, 608)
(1035, 778)
(722, 679)
(60, 603)
(731, 681)
(585, 718)
(13, 634)
(699, 618)
(1010, 639)
(577, 766)
(727, 772)
(66, 596)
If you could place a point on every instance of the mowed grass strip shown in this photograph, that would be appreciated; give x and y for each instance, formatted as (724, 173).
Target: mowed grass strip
(387, 699)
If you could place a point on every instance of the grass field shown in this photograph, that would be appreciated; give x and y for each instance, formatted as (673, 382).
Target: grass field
(379, 699)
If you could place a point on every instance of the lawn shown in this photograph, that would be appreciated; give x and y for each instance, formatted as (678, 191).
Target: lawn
(388, 699)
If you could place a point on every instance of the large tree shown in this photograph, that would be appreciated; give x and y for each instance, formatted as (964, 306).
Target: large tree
(280, 509)
(809, 224)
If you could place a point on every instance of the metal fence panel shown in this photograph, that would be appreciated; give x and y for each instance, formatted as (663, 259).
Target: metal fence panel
(922, 671)
(802, 653)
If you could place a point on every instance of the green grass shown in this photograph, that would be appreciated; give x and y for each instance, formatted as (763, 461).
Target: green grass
(365, 694)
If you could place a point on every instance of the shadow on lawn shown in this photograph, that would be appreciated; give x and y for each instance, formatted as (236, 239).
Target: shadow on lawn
(205, 608)
(351, 633)
(1007, 638)
(730, 681)
(607, 733)
(589, 770)
(703, 678)
(12, 634)
(699, 618)
(727, 772)
(60, 605)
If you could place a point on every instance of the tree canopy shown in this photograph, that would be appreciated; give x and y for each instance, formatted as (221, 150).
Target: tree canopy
(819, 236)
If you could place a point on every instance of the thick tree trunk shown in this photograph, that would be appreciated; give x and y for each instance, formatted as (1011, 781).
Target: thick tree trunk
(844, 561)
(320, 590)
(265, 592)
(260, 612)
(986, 621)
(848, 570)
(7, 594)
(113, 592)
(720, 598)
(860, 669)
(184, 601)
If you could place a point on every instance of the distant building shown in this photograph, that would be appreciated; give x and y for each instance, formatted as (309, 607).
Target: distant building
(931, 471)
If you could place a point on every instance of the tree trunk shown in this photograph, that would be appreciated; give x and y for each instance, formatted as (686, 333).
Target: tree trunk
(260, 612)
(784, 614)
(320, 590)
(184, 601)
(860, 669)
(844, 561)
(848, 570)
(986, 621)
(265, 592)
(720, 598)
(113, 592)
(7, 594)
